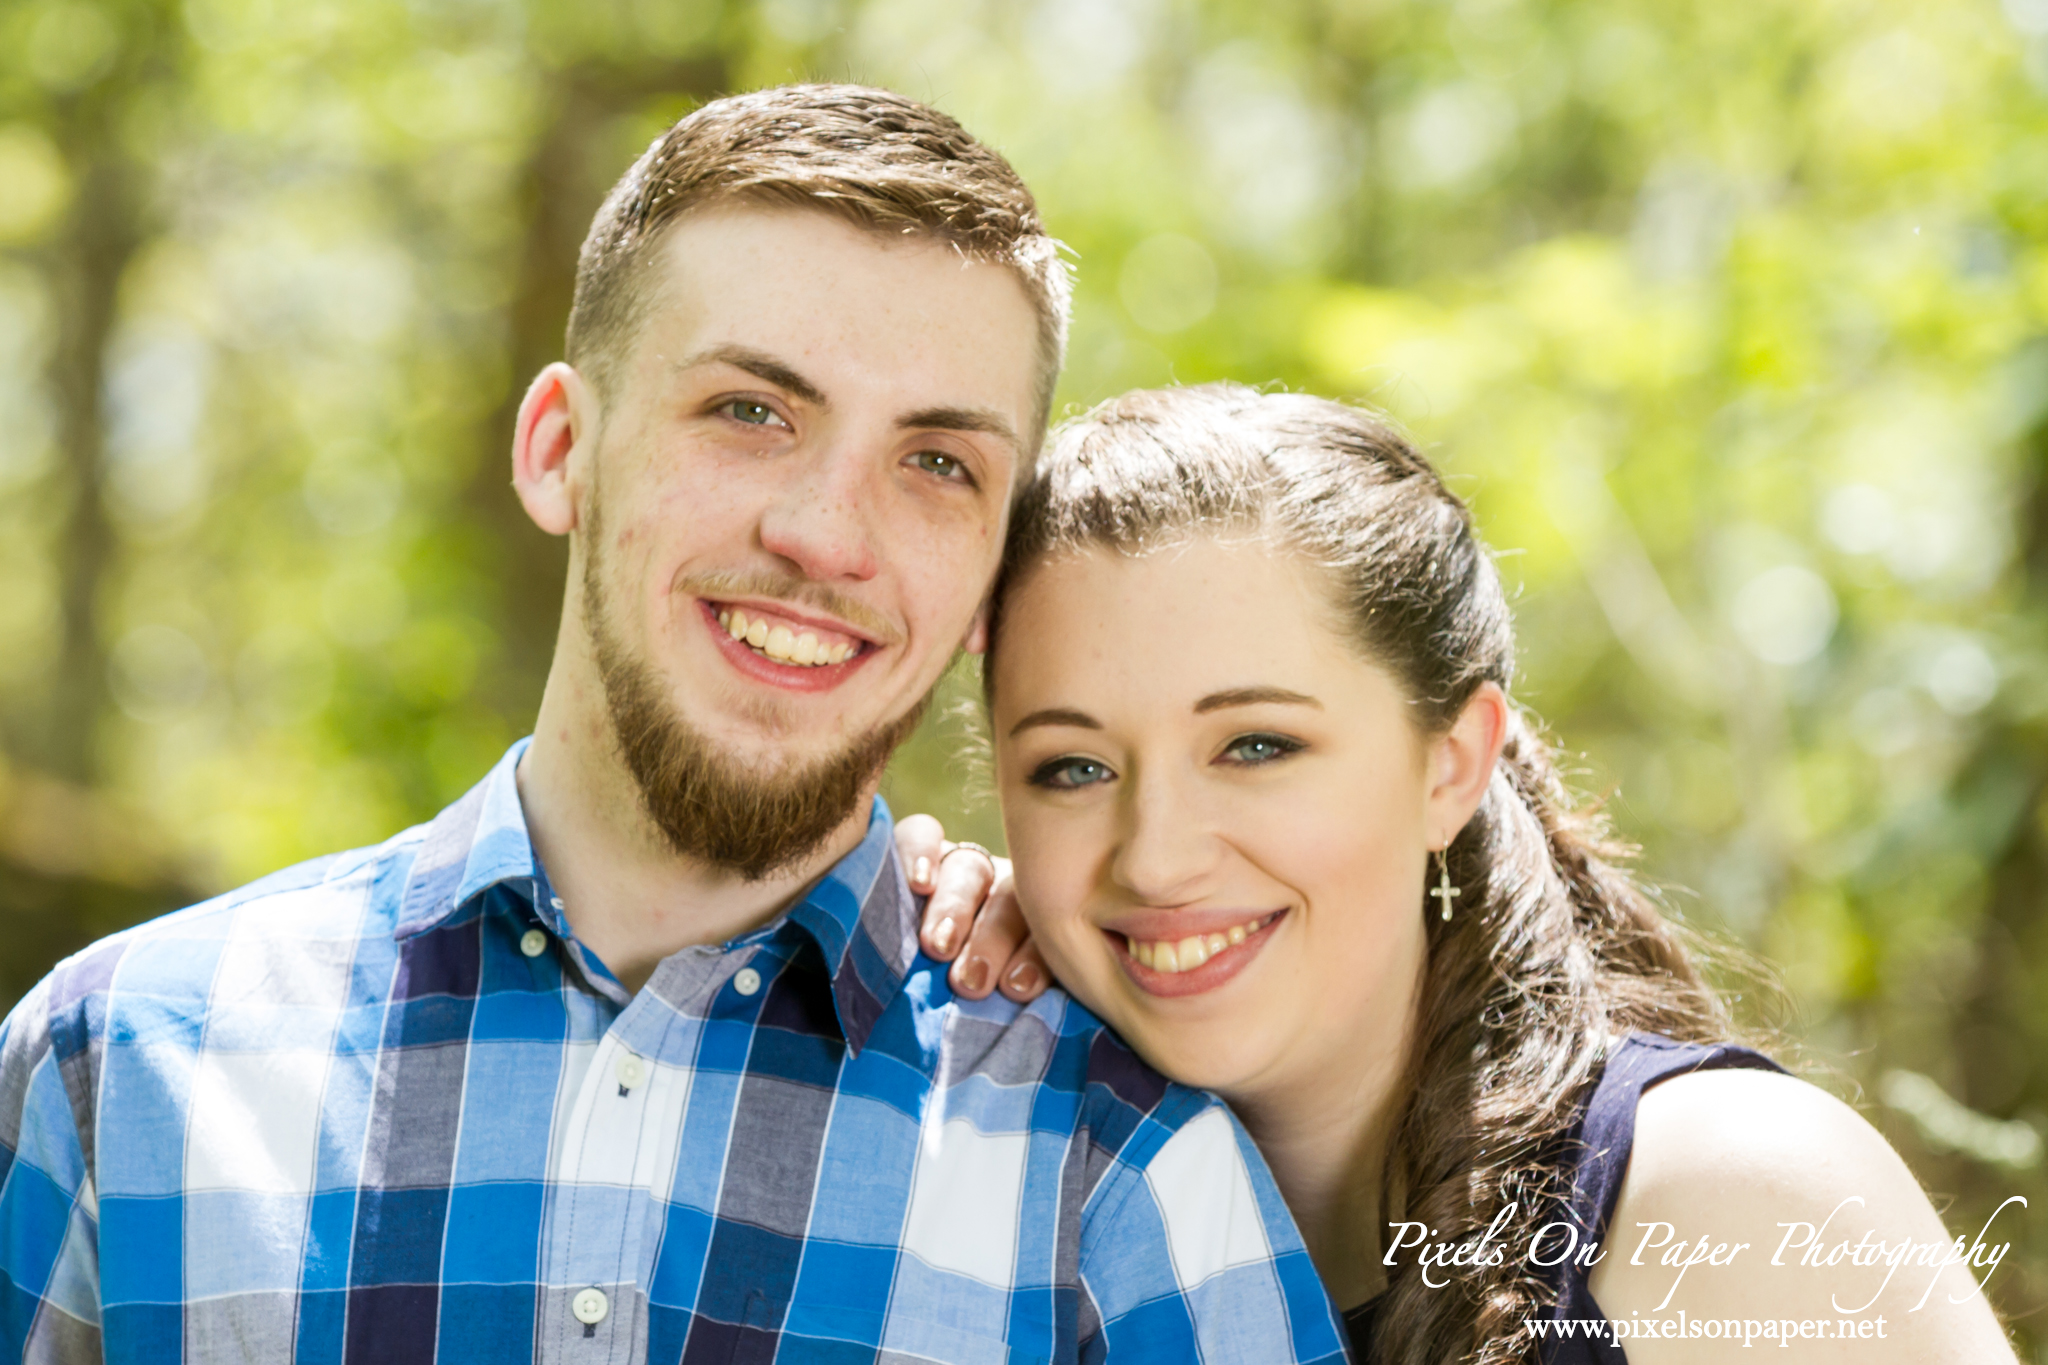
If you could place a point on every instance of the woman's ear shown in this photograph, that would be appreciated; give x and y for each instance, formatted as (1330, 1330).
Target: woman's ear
(558, 412)
(1461, 762)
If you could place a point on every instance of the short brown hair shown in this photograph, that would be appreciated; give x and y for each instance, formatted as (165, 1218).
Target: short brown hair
(879, 160)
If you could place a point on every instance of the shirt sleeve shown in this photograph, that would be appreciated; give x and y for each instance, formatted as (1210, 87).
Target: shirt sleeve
(1193, 1256)
(49, 1215)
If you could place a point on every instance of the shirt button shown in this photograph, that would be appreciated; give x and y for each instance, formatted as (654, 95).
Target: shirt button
(589, 1306)
(746, 981)
(555, 901)
(632, 1071)
(533, 943)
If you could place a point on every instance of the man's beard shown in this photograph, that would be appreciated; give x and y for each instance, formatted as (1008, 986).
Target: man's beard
(745, 818)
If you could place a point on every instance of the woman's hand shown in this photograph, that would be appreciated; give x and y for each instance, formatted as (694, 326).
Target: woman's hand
(972, 919)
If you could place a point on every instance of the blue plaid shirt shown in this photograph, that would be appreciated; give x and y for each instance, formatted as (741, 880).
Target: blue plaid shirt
(385, 1107)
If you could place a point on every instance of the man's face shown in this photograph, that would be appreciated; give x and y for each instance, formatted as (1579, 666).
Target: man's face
(798, 497)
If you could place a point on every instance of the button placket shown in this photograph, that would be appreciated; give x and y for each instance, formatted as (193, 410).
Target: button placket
(622, 1130)
(618, 1134)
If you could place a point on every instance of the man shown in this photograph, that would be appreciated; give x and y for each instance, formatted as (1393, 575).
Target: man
(629, 1054)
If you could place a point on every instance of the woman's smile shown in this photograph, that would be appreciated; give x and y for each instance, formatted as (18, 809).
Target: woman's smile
(1248, 671)
(1179, 952)
(1220, 812)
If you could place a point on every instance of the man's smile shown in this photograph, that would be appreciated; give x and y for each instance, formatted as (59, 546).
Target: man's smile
(772, 644)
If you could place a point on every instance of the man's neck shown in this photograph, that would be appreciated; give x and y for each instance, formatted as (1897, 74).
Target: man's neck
(631, 898)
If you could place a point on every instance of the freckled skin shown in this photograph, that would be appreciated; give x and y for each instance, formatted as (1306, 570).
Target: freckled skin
(1335, 835)
(686, 489)
(1320, 813)
(821, 472)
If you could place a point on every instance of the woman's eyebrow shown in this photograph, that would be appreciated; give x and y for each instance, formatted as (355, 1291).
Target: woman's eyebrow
(1055, 716)
(1253, 696)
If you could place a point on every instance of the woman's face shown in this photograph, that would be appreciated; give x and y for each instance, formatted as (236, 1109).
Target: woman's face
(1221, 818)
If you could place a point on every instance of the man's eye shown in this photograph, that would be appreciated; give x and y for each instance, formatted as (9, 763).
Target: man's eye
(753, 414)
(1070, 774)
(1254, 750)
(940, 463)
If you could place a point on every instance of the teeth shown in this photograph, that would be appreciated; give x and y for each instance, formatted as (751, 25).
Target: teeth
(782, 644)
(1191, 952)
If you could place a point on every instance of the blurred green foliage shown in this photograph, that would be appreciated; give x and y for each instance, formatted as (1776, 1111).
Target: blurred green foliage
(1729, 316)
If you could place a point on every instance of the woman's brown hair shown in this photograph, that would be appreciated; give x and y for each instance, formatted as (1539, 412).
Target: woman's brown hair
(1555, 951)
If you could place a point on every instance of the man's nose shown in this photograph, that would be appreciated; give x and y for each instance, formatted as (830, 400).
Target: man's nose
(822, 519)
(1167, 850)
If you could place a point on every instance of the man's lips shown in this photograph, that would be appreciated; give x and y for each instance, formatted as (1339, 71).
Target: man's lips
(774, 612)
(1225, 940)
(789, 676)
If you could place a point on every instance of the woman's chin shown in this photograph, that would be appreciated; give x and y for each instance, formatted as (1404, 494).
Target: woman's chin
(1221, 1052)
(1225, 1063)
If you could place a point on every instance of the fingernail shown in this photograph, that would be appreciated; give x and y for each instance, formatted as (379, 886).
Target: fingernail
(942, 937)
(921, 872)
(974, 977)
(1023, 977)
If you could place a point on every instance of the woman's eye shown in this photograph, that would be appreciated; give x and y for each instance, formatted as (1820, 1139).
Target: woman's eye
(940, 463)
(754, 414)
(1253, 750)
(1070, 774)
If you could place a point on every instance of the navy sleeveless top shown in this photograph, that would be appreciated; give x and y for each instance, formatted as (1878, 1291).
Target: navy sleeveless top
(1598, 1146)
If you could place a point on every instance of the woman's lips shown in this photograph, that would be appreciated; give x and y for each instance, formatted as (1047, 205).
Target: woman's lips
(1219, 964)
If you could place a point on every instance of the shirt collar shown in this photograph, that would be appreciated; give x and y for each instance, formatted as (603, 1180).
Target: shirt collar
(860, 913)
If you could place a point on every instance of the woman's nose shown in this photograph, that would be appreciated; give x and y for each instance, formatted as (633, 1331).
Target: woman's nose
(1167, 850)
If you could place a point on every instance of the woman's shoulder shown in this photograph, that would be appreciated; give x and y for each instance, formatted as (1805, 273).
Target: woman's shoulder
(1731, 1143)
(1600, 1143)
(1757, 1126)
(1766, 1149)
(1751, 1194)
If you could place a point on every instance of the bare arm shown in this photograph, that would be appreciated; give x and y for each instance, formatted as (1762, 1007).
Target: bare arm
(1836, 1238)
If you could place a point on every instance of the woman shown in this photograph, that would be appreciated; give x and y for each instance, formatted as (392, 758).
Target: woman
(1275, 818)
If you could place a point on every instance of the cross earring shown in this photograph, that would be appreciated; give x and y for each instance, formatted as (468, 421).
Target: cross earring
(1443, 890)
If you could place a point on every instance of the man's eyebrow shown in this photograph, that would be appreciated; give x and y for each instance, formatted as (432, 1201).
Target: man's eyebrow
(1055, 716)
(963, 419)
(759, 364)
(1253, 696)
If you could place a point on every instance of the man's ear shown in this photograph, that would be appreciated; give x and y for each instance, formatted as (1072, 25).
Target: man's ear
(977, 630)
(557, 416)
(1461, 763)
